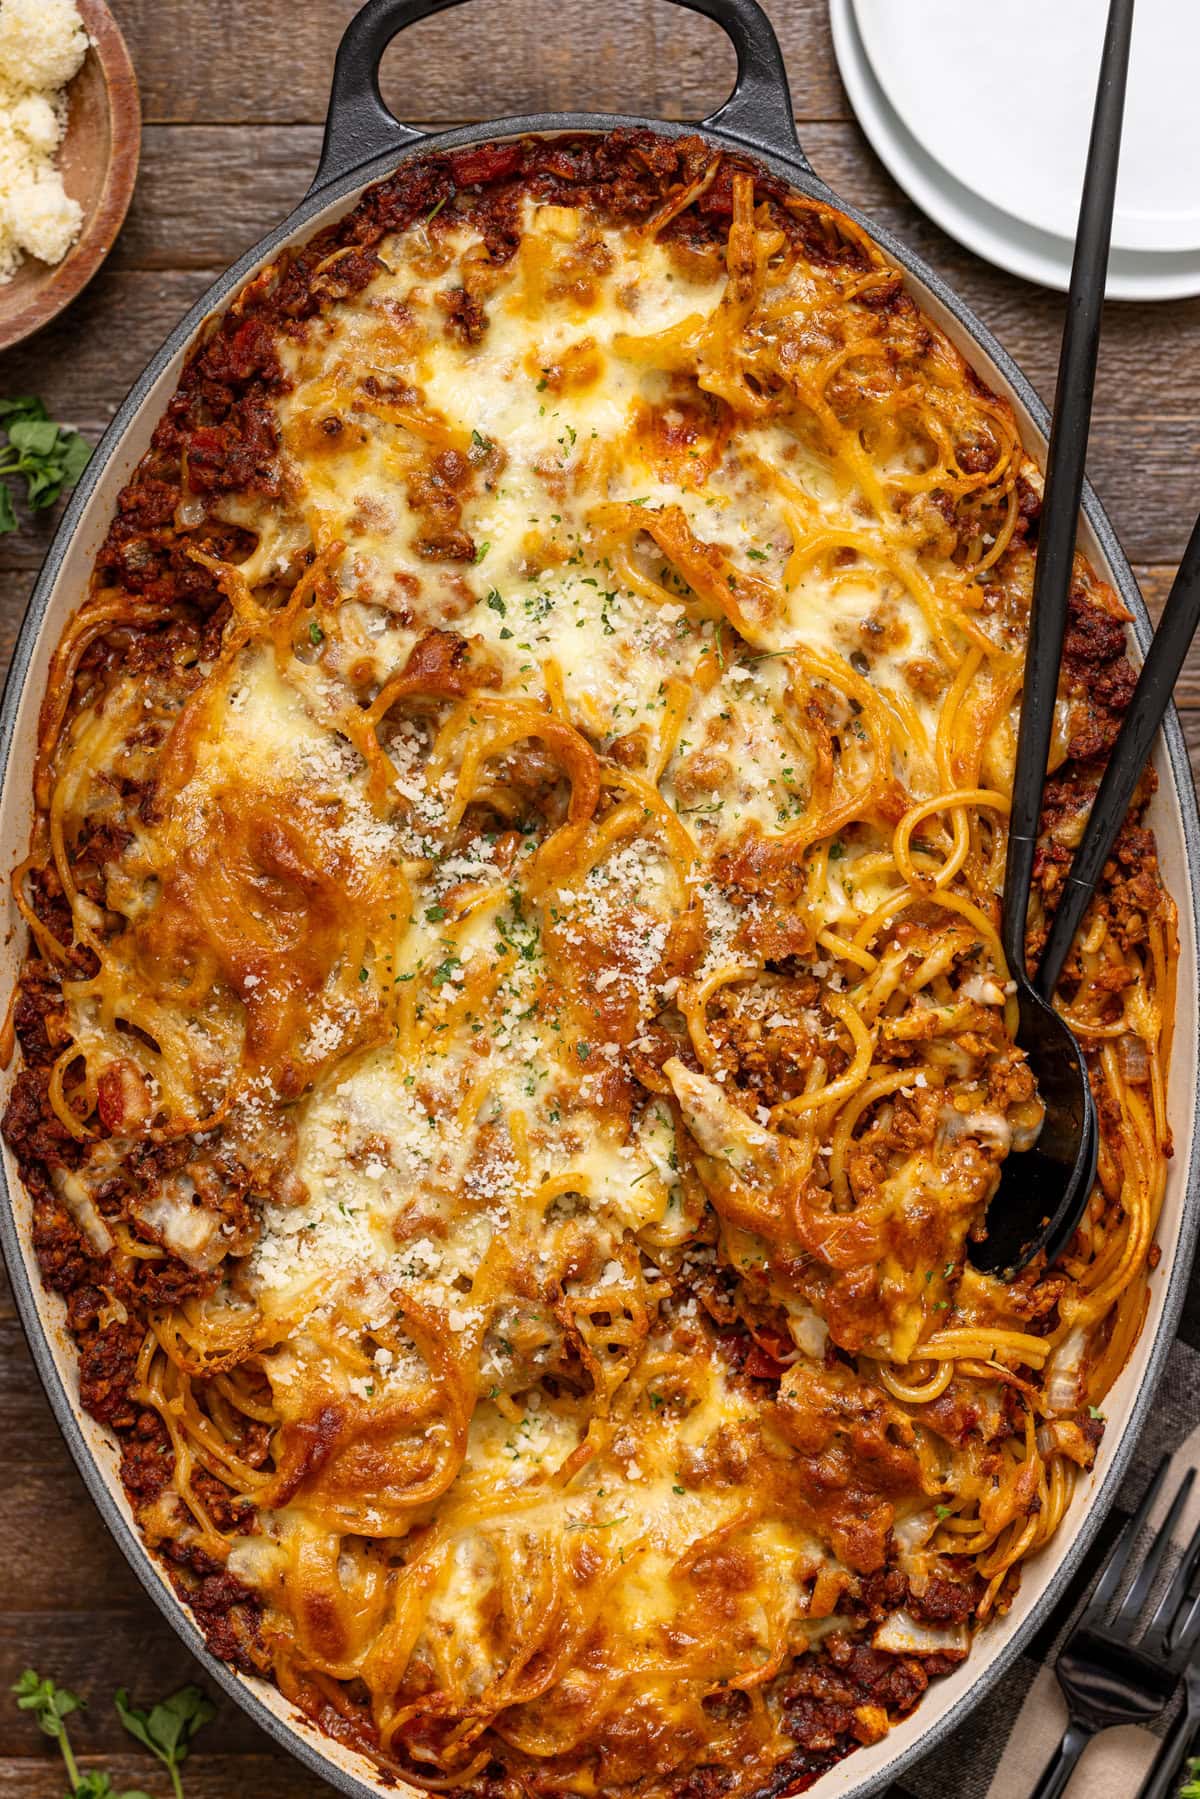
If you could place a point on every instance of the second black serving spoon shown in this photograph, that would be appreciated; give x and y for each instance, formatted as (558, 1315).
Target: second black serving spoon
(1043, 1190)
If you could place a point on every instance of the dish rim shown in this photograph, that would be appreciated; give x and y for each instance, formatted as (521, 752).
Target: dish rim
(301, 1738)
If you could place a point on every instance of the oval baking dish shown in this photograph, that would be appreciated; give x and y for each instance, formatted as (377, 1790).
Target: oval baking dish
(363, 143)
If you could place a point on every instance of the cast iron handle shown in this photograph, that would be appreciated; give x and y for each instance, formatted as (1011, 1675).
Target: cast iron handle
(1151, 697)
(358, 126)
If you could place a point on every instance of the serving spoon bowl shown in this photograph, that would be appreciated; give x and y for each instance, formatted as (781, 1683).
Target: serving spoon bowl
(1043, 1190)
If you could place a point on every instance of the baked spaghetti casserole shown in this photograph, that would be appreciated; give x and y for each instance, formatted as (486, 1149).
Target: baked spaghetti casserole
(514, 1040)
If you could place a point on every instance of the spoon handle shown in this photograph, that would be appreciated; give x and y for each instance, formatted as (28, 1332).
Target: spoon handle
(1151, 697)
(1064, 480)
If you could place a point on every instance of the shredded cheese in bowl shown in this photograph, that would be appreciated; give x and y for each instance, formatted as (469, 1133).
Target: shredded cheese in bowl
(42, 46)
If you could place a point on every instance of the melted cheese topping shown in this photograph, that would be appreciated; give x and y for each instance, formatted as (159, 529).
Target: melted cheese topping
(562, 943)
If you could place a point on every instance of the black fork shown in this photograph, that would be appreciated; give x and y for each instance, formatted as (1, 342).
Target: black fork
(1108, 1673)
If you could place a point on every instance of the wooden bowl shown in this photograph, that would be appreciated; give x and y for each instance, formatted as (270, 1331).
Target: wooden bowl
(99, 160)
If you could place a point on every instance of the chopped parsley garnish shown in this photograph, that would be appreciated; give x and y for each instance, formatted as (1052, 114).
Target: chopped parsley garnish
(445, 970)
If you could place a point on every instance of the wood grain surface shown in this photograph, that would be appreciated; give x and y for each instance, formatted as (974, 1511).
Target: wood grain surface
(233, 96)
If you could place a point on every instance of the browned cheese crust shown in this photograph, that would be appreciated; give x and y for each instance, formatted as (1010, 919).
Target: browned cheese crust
(513, 1041)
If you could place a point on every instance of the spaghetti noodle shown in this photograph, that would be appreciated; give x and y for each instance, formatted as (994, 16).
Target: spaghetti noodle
(515, 1038)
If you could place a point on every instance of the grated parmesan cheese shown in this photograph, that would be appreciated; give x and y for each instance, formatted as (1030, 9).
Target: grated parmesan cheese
(42, 46)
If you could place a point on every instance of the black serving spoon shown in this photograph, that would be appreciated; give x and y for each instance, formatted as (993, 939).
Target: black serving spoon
(1043, 1190)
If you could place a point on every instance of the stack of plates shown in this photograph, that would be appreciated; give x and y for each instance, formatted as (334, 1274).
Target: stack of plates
(982, 114)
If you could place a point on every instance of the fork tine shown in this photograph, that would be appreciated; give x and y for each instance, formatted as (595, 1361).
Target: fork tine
(1118, 1555)
(1186, 1638)
(1139, 1592)
(1188, 1634)
(1156, 1638)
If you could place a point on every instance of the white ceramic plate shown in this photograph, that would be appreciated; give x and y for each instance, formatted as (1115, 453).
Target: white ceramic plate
(1003, 100)
(1023, 249)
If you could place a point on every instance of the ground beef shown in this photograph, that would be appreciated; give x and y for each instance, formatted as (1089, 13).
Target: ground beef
(944, 1601)
(225, 1512)
(230, 1616)
(32, 1129)
(147, 1460)
(795, 1774)
(64, 1255)
(820, 1694)
(466, 319)
(883, 1593)
(107, 1361)
(38, 1015)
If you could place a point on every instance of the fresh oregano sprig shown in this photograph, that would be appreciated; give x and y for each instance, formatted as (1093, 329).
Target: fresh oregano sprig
(48, 457)
(166, 1730)
(51, 1706)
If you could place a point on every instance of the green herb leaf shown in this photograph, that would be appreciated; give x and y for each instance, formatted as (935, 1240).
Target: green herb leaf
(75, 453)
(48, 457)
(48, 1703)
(34, 437)
(95, 1784)
(27, 406)
(168, 1728)
(445, 970)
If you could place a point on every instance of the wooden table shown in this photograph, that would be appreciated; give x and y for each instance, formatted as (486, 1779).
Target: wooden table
(234, 94)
